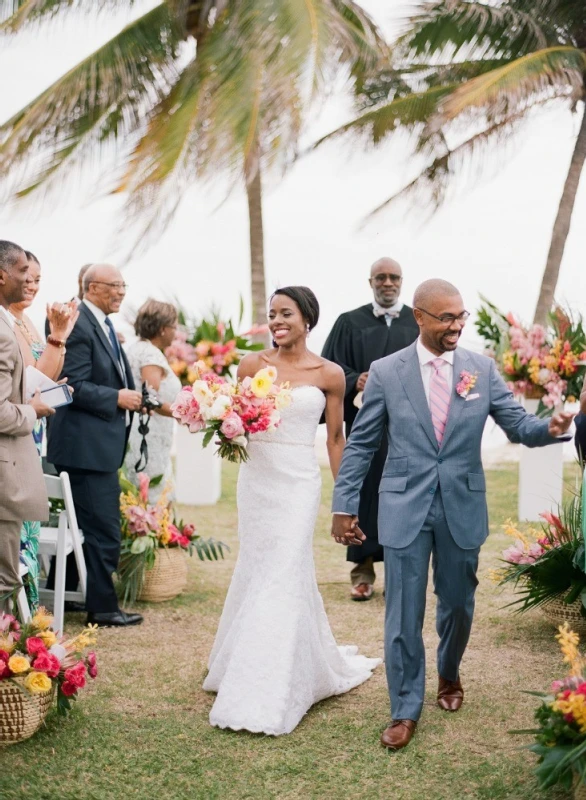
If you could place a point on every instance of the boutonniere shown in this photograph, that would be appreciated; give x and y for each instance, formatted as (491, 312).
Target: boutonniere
(467, 383)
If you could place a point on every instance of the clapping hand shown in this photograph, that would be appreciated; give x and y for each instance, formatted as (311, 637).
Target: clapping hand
(560, 423)
(345, 530)
(62, 317)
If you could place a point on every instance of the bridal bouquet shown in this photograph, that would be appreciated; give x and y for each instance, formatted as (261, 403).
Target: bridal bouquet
(560, 738)
(210, 345)
(38, 660)
(547, 363)
(232, 412)
(148, 527)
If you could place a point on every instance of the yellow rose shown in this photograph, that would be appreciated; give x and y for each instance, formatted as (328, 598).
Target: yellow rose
(42, 619)
(262, 383)
(7, 644)
(37, 682)
(19, 664)
(48, 637)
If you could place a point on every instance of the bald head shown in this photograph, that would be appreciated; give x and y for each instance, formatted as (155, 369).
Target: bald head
(103, 285)
(440, 314)
(386, 277)
(427, 291)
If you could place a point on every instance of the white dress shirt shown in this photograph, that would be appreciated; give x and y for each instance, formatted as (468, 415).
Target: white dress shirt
(425, 358)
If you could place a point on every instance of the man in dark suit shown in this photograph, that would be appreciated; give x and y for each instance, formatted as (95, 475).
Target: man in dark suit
(580, 420)
(88, 437)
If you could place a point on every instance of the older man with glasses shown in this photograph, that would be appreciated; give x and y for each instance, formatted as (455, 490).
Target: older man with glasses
(88, 438)
(358, 338)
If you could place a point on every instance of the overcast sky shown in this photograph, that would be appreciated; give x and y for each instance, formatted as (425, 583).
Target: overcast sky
(492, 238)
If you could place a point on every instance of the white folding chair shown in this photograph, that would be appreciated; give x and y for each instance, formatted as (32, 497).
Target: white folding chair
(60, 542)
(24, 611)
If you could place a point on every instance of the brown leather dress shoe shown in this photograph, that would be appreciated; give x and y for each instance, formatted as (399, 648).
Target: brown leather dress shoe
(399, 734)
(363, 591)
(450, 694)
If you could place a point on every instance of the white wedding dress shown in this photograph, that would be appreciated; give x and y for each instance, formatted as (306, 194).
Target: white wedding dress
(274, 655)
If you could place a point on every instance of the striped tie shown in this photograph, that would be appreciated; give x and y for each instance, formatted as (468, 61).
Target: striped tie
(439, 399)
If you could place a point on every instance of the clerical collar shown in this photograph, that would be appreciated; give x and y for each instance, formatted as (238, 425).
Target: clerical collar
(381, 311)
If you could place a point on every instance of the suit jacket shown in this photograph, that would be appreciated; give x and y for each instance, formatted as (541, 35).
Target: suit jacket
(580, 438)
(416, 466)
(91, 432)
(22, 494)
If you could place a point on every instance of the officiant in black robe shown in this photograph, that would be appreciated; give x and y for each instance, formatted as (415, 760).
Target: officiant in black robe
(358, 338)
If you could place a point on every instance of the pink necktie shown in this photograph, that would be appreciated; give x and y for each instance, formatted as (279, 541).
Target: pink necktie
(439, 398)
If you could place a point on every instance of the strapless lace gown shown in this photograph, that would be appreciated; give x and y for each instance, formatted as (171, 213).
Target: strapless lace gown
(274, 655)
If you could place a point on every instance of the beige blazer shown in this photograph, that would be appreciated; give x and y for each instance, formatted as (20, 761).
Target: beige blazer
(22, 487)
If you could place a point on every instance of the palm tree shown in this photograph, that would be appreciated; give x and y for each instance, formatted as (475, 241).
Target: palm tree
(466, 75)
(199, 87)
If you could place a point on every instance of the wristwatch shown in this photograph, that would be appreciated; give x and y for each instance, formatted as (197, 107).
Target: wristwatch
(55, 342)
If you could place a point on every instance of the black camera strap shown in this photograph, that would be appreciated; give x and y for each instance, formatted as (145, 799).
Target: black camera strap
(143, 429)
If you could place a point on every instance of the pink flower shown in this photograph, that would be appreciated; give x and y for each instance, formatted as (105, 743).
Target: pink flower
(6, 621)
(186, 410)
(232, 426)
(68, 689)
(92, 665)
(4, 656)
(143, 486)
(76, 675)
(4, 670)
(189, 529)
(514, 555)
(47, 662)
(184, 541)
(34, 646)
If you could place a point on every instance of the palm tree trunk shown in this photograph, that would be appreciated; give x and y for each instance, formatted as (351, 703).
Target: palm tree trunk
(257, 259)
(561, 227)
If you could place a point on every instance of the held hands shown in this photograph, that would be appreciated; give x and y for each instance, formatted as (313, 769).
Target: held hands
(41, 409)
(129, 400)
(560, 423)
(62, 318)
(345, 530)
(361, 382)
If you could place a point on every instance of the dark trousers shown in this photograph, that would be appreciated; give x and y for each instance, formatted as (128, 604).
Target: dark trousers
(96, 496)
(454, 579)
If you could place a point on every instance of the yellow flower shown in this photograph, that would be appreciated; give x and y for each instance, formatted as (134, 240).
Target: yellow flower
(7, 644)
(511, 530)
(262, 383)
(19, 664)
(42, 619)
(575, 705)
(48, 637)
(37, 682)
(569, 641)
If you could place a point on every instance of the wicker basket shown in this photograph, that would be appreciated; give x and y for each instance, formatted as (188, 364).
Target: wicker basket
(167, 578)
(579, 791)
(21, 713)
(557, 612)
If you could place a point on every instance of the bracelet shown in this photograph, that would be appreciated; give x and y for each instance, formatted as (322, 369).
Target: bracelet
(55, 342)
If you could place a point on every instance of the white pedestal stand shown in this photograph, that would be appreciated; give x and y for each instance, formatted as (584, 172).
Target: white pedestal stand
(541, 472)
(198, 472)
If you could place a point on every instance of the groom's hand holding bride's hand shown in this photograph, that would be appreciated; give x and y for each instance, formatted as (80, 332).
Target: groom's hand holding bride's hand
(345, 530)
(559, 423)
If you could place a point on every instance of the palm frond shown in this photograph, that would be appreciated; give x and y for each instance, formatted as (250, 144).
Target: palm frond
(16, 15)
(103, 97)
(454, 26)
(413, 110)
(555, 72)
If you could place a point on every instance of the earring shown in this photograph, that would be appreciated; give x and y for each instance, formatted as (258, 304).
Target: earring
(307, 328)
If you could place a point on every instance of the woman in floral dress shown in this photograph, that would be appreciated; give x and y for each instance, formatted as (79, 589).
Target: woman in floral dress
(48, 359)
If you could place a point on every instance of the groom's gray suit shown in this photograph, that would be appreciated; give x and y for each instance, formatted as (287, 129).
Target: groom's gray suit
(432, 501)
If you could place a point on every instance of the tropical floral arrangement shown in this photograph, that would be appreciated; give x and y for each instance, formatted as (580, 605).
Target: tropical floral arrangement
(561, 718)
(147, 527)
(550, 562)
(232, 412)
(541, 362)
(209, 346)
(36, 654)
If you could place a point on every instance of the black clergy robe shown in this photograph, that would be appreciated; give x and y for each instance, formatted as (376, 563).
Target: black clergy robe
(357, 339)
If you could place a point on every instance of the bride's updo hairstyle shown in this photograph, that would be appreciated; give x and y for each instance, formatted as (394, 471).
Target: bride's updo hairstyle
(305, 300)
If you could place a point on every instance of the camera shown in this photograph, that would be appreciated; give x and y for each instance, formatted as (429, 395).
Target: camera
(150, 401)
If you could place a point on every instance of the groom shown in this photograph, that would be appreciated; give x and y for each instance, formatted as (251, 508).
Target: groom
(433, 398)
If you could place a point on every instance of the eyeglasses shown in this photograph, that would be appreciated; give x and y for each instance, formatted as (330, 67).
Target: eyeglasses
(447, 319)
(382, 278)
(115, 285)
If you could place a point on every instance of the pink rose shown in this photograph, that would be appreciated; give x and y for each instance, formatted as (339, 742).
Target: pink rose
(232, 426)
(76, 675)
(184, 541)
(47, 662)
(34, 646)
(92, 666)
(4, 670)
(68, 689)
(4, 656)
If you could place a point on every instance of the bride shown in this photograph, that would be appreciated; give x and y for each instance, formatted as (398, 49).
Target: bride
(274, 655)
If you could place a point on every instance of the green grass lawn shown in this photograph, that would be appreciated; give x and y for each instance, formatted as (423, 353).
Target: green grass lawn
(141, 730)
